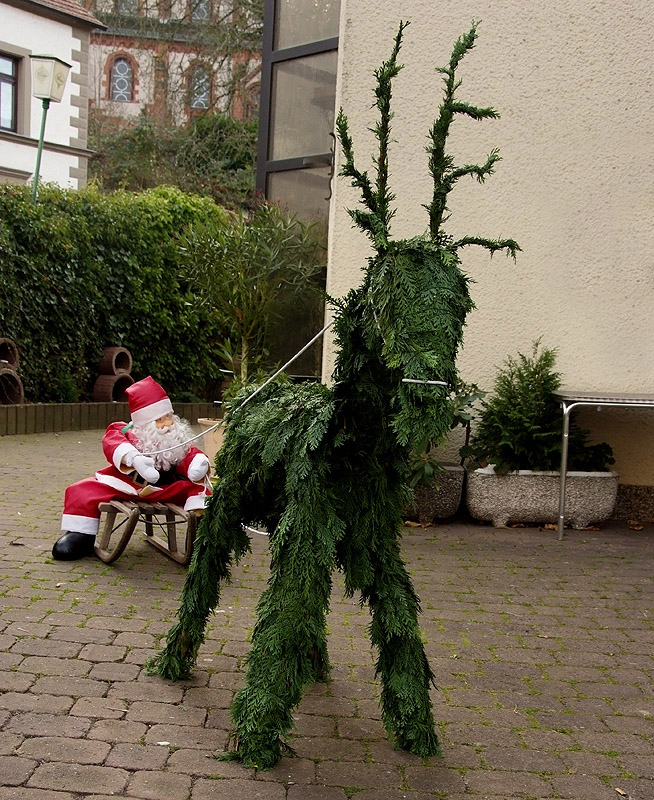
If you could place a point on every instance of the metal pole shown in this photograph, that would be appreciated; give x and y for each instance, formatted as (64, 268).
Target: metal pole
(44, 114)
(564, 466)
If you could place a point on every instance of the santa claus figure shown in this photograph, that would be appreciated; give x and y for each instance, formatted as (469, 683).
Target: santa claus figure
(149, 458)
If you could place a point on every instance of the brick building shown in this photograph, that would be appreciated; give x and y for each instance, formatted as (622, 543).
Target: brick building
(174, 59)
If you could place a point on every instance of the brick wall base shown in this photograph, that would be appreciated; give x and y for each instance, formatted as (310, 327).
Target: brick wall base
(57, 417)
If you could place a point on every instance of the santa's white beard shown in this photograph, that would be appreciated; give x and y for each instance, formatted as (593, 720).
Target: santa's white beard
(151, 438)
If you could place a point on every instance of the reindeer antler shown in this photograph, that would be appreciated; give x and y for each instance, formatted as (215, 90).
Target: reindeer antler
(441, 165)
(375, 222)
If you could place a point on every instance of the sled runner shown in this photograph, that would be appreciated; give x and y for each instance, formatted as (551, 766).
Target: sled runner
(167, 527)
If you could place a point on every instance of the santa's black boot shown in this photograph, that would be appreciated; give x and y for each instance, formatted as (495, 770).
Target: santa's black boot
(73, 545)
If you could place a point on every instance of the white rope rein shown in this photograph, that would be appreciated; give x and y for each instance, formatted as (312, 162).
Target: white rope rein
(249, 397)
(426, 383)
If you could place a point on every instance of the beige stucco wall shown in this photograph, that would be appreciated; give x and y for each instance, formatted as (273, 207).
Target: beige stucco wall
(575, 86)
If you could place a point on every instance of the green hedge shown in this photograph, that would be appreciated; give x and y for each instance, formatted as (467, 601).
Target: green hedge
(81, 271)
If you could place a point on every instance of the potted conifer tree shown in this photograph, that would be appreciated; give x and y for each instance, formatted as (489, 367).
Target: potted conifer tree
(515, 453)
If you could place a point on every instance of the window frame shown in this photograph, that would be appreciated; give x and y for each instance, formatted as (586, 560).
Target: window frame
(11, 80)
(134, 12)
(24, 88)
(193, 5)
(270, 58)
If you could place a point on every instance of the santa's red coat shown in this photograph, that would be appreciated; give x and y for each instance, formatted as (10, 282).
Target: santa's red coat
(116, 482)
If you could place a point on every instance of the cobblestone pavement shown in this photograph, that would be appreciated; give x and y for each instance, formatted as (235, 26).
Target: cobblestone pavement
(543, 653)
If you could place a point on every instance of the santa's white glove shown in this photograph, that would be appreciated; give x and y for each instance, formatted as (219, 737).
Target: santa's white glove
(144, 465)
(198, 468)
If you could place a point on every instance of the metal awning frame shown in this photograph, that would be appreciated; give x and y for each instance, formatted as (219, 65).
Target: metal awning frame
(571, 400)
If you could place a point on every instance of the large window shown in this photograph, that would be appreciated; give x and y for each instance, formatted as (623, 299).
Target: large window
(8, 93)
(296, 142)
(298, 91)
(305, 21)
(302, 106)
(122, 81)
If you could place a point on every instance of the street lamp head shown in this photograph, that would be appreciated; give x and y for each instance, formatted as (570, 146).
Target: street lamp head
(49, 75)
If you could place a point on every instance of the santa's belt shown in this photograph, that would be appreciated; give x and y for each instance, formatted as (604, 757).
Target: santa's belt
(166, 477)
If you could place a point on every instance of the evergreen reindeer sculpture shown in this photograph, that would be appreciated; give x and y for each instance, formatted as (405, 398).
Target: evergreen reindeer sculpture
(326, 469)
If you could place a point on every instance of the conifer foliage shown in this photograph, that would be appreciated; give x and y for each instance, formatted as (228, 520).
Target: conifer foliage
(326, 469)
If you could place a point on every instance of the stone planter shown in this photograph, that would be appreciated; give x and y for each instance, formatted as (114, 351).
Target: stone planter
(441, 500)
(533, 497)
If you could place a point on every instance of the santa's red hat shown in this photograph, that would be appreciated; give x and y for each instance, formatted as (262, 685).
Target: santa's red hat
(147, 401)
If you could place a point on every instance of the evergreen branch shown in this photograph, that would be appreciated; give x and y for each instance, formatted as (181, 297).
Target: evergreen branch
(439, 162)
(360, 180)
(462, 45)
(375, 222)
(474, 111)
(364, 219)
(338, 302)
(383, 92)
(511, 246)
(481, 172)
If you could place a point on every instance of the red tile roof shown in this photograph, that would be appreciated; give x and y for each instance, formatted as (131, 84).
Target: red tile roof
(71, 8)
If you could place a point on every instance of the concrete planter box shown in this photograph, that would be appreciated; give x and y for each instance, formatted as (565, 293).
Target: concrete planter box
(441, 500)
(526, 496)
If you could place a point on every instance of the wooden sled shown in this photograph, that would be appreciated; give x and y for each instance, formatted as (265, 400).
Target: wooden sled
(163, 523)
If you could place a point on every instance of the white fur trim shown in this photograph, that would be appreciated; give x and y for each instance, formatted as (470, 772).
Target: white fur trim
(79, 524)
(195, 502)
(120, 452)
(116, 483)
(149, 413)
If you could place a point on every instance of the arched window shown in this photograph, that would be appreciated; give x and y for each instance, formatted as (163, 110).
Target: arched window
(122, 81)
(127, 7)
(199, 88)
(251, 102)
(200, 10)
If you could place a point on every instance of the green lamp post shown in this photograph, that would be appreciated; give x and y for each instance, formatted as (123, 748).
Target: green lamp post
(49, 75)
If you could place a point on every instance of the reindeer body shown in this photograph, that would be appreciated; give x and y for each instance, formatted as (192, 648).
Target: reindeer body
(325, 469)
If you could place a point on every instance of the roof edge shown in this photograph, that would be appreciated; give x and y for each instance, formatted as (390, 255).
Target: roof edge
(57, 12)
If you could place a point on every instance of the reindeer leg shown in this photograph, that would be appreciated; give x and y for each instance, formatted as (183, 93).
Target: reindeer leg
(373, 565)
(220, 541)
(288, 644)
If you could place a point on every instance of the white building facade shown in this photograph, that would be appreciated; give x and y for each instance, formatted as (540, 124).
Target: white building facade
(55, 27)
